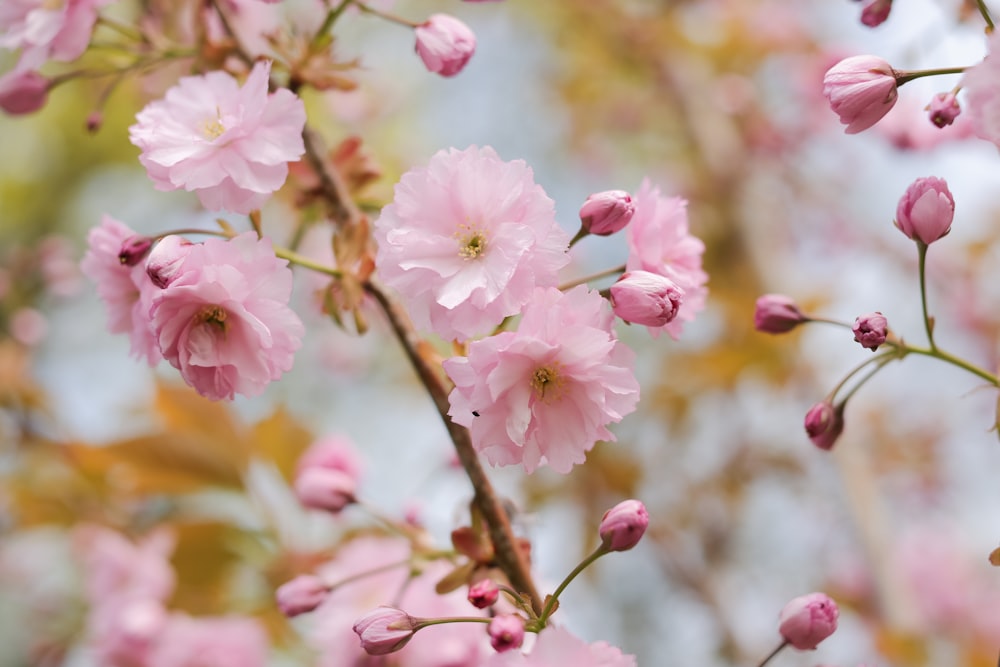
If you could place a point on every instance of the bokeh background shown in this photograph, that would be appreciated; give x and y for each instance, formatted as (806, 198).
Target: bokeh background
(719, 101)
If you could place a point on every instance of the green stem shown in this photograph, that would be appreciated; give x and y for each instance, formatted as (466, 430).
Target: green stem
(938, 353)
(122, 29)
(928, 322)
(985, 11)
(385, 15)
(596, 276)
(422, 623)
(331, 18)
(551, 601)
(579, 235)
(773, 653)
(301, 260)
(905, 77)
(880, 360)
(369, 573)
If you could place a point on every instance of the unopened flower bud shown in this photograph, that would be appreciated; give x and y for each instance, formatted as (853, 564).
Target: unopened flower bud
(484, 593)
(301, 595)
(23, 92)
(165, 259)
(777, 313)
(385, 630)
(824, 423)
(324, 489)
(926, 210)
(875, 12)
(808, 620)
(624, 525)
(871, 330)
(861, 90)
(645, 298)
(506, 632)
(134, 249)
(944, 109)
(445, 44)
(607, 212)
(94, 121)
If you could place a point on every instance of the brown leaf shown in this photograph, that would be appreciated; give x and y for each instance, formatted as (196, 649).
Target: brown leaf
(281, 440)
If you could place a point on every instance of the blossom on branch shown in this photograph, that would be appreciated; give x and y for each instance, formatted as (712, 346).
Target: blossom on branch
(126, 291)
(659, 242)
(224, 319)
(229, 144)
(46, 30)
(545, 393)
(467, 239)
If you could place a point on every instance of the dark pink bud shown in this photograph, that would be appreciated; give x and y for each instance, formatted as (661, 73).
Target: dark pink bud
(808, 620)
(165, 259)
(385, 630)
(484, 593)
(624, 525)
(875, 12)
(506, 632)
(94, 121)
(776, 313)
(870, 330)
(944, 109)
(445, 44)
(926, 210)
(824, 424)
(324, 489)
(645, 298)
(23, 92)
(606, 212)
(134, 249)
(336, 452)
(300, 595)
(861, 90)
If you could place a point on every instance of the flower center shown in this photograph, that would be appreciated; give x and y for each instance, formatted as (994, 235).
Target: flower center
(53, 5)
(471, 242)
(548, 382)
(213, 128)
(214, 316)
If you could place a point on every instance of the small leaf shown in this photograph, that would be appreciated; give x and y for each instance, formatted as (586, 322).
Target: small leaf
(455, 579)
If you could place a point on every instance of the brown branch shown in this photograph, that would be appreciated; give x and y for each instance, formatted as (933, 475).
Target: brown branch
(509, 558)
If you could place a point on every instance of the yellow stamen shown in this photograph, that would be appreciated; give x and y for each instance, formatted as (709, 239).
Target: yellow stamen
(548, 382)
(471, 242)
(213, 315)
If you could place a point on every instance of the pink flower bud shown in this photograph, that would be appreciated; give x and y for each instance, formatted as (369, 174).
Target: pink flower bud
(824, 424)
(875, 12)
(944, 109)
(165, 259)
(300, 595)
(925, 210)
(861, 90)
(324, 489)
(445, 44)
(808, 620)
(624, 525)
(506, 632)
(94, 122)
(606, 212)
(23, 92)
(645, 298)
(776, 313)
(134, 250)
(870, 330)
(484, 593)
(385, 630)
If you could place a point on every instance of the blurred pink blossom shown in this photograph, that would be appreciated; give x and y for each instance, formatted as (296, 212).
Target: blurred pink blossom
(126, 290)
(229, 144)
(545, 393)
(556, 646)
(115, 566)
(466, 241)
(981, 85)
(224, 320)
(23, 91)
(47, 30)
(225, 641)
(659, 242)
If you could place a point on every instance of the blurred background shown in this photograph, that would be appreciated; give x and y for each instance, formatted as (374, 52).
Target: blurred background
(719, 101)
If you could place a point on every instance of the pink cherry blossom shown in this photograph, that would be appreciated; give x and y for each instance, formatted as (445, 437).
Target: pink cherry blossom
(23, 91)
(123, 630)
(444, 44)
(659, 242)
(556, 646)
(808, 620)
(224, 319)
(219, 641)
(117, 567)
(46, 30)
(861, 90)
(466, 241)
(545, 393)
(981, 85)
(453, 644)
(229, 144)
(126, 290)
